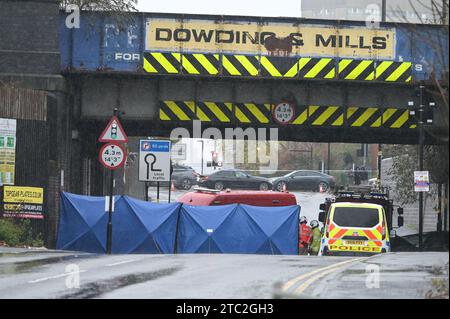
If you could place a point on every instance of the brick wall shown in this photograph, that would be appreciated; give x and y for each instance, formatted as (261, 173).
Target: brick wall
(29, 40)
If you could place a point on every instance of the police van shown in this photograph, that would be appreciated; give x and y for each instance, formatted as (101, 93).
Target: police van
(357, 225)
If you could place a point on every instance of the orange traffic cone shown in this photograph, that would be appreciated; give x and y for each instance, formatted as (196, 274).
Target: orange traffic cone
(172, 187)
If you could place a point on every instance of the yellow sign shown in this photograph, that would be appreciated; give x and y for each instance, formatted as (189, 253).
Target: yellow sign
(277, 39)
(28, 195)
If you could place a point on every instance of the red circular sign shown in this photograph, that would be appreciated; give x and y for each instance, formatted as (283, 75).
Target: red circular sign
(112, 156)
(283, 113)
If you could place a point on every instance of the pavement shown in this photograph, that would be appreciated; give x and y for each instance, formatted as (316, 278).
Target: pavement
(67, 275)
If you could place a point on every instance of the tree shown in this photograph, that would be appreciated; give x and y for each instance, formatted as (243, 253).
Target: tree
(102, 5)
(436, 157)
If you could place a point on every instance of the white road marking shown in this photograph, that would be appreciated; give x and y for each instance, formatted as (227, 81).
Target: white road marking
(55, 277)
(122, 262)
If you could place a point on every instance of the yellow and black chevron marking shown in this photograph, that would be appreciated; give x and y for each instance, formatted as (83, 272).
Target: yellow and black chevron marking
(162, 63)
(253, 113)
(276, 67)
(240, 65)
(314, 116)
(368, 70)
(199, 64)
(313, 68)
(373, 117)
(279, 67)
(361, 70)
(389, 71)
(216, 112)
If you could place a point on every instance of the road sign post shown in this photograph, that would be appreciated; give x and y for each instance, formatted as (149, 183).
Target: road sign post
(112, 156)
(110, 211)
(154, 162)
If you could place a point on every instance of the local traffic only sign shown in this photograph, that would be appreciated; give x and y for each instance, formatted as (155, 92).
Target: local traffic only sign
(112, 156)
(154, 161)
(283, 113)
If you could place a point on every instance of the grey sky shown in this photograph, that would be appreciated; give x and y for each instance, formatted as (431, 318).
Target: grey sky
(270, 8)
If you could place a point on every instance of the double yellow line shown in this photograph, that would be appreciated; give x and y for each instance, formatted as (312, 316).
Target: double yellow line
(314, 275)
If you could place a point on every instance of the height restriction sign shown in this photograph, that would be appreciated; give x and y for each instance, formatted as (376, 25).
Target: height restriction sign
(283, 113)
(112, 156)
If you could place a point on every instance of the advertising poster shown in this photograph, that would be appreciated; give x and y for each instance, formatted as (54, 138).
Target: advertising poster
(23, 202)
(7, 151)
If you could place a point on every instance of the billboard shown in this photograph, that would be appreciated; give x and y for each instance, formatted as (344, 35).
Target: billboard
(270, 38)
(23, 202)
(7, 151)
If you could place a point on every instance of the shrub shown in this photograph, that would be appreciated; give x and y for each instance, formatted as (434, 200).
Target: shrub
(19, 233)
(10, 232)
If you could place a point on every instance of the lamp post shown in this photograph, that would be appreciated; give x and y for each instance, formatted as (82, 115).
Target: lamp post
(203, 148)
(421, 142)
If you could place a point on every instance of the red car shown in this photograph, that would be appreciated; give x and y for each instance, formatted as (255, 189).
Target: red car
(208, 197)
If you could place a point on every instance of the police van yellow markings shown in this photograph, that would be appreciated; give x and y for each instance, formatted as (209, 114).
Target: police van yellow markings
(325, 115)
(206, 64)
(364, 117)
(401, 120)
(269, 67)
(399, 72)
(247, 65)
(257, 112)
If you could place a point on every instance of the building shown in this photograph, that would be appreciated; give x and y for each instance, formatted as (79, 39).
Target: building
(412, 11)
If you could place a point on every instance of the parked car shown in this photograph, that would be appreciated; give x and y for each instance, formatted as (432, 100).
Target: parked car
(209, 197)
(235, 179)
(184, 177)
(304, 180)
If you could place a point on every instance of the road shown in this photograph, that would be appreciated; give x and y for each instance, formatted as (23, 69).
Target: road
(46, 274)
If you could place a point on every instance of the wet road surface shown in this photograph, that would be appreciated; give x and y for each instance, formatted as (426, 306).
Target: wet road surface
(29, 274)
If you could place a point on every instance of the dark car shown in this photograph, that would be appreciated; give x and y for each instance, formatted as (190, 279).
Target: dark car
(235, 179)
(304, 180)
(183, 177)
